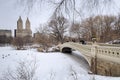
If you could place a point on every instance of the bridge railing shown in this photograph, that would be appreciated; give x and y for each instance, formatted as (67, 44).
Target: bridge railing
(109, 51)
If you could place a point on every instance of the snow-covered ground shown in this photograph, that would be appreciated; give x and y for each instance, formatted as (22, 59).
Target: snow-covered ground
(49, 66)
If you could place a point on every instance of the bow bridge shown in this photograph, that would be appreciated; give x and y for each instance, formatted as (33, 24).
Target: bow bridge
(102, 59)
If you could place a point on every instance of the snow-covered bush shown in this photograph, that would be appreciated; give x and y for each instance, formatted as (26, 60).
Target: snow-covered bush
(24, 71)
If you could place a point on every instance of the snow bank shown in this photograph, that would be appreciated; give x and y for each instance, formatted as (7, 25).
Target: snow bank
(50, 66)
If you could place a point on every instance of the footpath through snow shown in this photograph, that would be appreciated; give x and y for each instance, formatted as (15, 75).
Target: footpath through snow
(49, 66)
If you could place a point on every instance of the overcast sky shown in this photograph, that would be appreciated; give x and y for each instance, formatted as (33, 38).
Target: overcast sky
(10, 12)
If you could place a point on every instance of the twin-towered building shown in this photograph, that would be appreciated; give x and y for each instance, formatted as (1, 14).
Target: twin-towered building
(6, 35)
(23, 32)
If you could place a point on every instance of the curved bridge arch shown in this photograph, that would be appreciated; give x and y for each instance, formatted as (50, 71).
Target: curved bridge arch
(67, 48)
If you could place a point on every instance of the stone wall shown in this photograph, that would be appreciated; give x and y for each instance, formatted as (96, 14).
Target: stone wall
(106, 68)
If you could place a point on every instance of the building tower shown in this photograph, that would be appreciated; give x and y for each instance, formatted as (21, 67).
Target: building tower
(27, 24)
(20, 31)
(27, 28)
(20, 24)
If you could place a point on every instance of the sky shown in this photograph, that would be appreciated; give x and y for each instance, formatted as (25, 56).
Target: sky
(10, 12)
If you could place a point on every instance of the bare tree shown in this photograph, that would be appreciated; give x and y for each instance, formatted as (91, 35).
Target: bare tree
(28, 40)
(77, 30)
(89, 30)
(117, 27)
(42, 36)
(99, 27)
(18, 43)
(58, 28)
